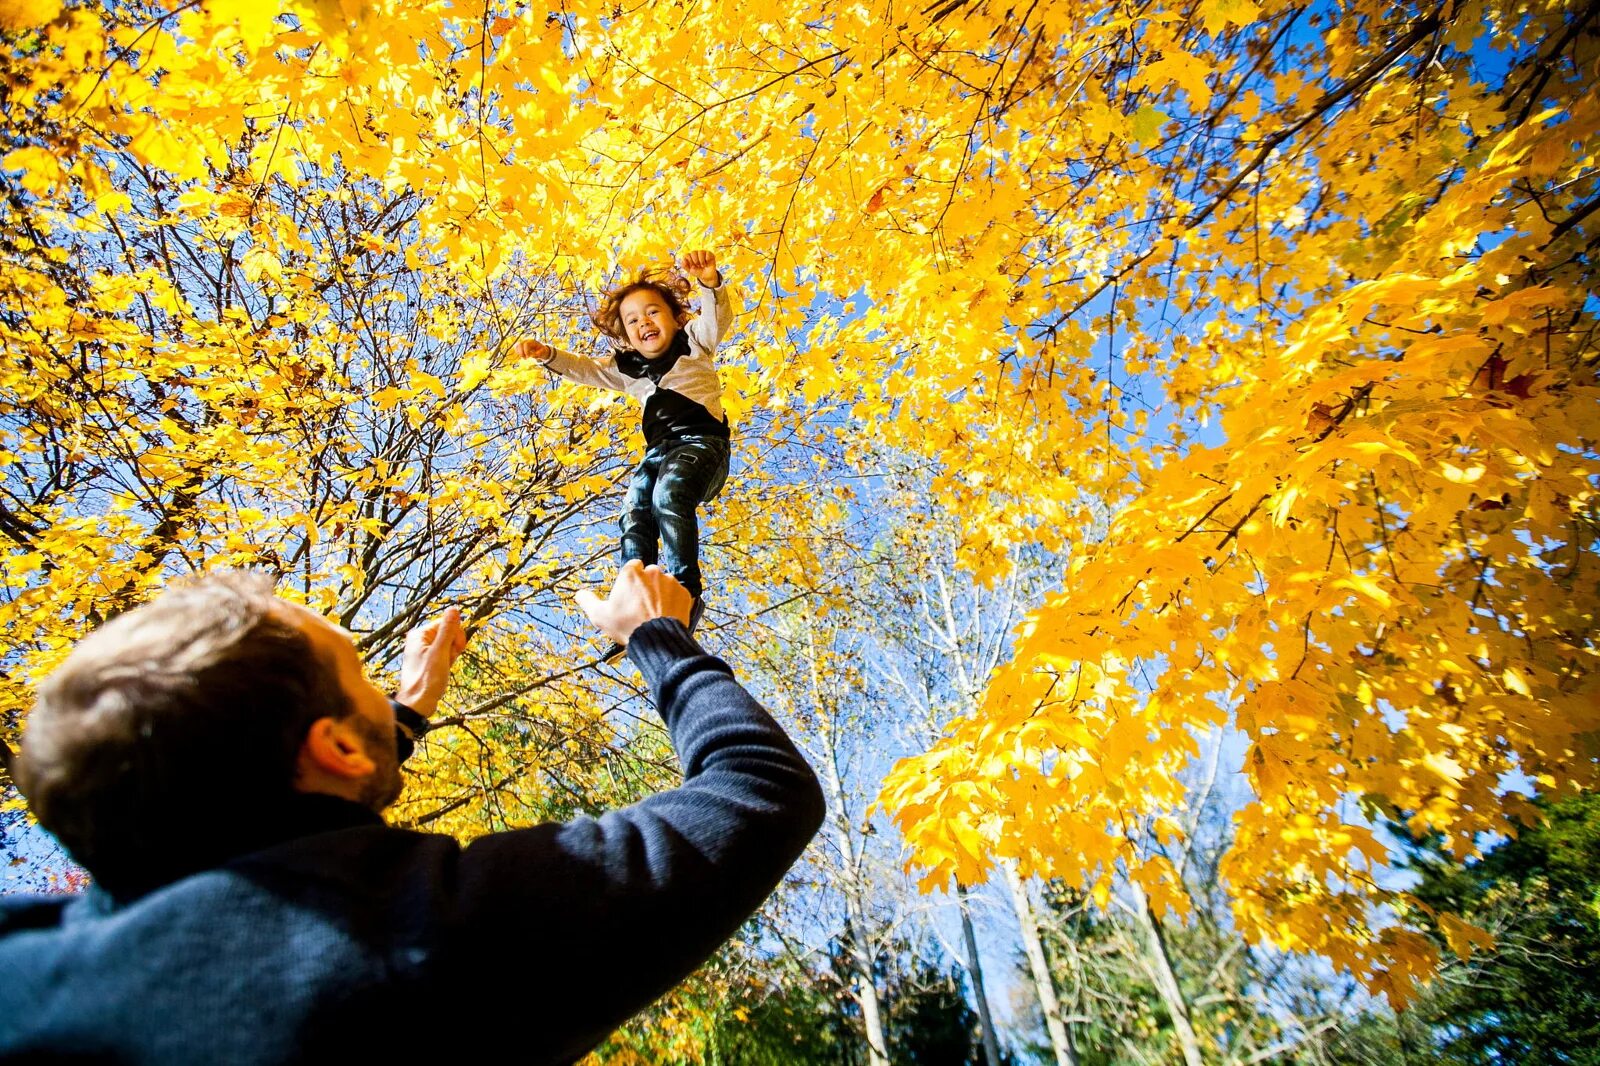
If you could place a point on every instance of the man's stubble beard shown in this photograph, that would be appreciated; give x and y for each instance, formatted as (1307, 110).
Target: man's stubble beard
(385, 784)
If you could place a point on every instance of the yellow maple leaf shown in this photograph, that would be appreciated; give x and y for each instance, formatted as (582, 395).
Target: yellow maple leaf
(1189, 72)
(1464, 938)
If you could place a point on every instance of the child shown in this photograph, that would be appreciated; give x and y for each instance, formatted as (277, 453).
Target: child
(668, 369)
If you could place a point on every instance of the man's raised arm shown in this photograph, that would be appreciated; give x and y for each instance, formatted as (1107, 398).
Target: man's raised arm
(618, 908)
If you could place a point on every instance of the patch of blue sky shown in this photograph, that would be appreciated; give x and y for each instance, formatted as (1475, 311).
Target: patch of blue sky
(31, 860)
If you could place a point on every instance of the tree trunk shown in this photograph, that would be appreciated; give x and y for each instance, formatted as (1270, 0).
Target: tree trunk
(1044, 985)
(851, 887)
(856, 931)
(991, 1046)
(1159, 966)
(871, 1009)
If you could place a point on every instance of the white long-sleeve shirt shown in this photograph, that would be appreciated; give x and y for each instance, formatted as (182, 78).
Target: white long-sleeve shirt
(679, 390)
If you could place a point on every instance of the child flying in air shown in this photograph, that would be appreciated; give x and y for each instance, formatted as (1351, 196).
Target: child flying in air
(667, 368)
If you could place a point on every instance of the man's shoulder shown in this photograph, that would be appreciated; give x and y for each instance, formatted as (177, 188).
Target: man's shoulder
(373, 886)
(370, 855)
(34, 911)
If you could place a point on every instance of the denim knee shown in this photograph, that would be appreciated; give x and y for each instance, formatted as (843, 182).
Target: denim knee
(674, 498)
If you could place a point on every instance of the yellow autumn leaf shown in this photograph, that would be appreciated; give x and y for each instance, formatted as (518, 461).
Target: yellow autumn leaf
(1463, 937)
(1187, 71)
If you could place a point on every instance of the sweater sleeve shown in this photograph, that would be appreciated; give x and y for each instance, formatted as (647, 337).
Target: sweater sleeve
(601, 373)
(619, 908)
(716, 315)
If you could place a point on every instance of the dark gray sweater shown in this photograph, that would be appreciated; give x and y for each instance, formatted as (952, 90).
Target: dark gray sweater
(352, 938)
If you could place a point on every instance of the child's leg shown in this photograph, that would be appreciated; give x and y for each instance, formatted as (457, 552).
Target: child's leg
(688, 476)
(639, 527)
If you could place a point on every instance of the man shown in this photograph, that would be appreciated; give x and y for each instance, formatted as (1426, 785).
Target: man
(217, 760)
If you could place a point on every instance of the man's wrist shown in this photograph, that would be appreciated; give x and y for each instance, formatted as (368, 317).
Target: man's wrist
(656, 644)
(408, 727)
(408, 719)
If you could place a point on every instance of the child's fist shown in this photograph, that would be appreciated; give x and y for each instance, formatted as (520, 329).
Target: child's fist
(702, 265)
(538, 351)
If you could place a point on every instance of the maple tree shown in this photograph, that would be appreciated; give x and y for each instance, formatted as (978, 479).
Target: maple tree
(1373, 565)
(1277, 318)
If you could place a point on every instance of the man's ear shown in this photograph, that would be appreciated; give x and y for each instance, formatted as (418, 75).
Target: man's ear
(334, 747)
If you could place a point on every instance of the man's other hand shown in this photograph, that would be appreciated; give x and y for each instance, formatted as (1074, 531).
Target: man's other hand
(431, 650)
(640, 594)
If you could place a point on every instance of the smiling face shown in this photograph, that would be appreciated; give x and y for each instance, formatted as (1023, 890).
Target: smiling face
(649, 322)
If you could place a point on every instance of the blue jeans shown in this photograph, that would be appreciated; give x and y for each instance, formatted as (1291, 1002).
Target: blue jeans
(672, 480)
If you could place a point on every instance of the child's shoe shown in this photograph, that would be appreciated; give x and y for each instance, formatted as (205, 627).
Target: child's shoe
(695, 612)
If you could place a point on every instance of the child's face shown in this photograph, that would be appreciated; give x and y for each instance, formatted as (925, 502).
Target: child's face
(648, 321)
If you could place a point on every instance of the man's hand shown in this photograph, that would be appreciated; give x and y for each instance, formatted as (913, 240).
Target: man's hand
(538, 351)
(431, 650)
(702, 265)
(640, 594)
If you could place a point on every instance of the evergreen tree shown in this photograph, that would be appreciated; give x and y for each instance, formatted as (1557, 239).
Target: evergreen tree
(1535, 999)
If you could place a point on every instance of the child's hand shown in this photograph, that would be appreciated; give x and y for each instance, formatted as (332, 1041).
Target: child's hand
(702, 265)
(538, 351)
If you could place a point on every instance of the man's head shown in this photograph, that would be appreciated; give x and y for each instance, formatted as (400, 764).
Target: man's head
(182, 727)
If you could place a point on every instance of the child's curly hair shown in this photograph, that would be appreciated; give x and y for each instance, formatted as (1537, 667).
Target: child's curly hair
(667, 282)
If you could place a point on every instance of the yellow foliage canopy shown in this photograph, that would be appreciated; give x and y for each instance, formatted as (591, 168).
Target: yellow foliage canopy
(1279, 321)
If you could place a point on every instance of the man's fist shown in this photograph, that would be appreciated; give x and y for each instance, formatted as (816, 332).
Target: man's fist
(538, 351)
(702, 265)
(641, 593)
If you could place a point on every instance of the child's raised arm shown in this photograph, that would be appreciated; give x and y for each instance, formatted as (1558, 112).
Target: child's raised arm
(602, 374)
(716, 314)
